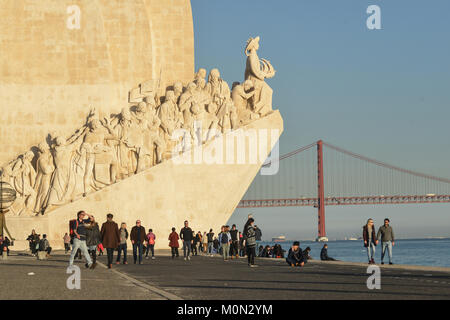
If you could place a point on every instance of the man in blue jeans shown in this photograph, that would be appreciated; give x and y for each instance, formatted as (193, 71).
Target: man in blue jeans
(186, 234)
(137, 237)
(386, 233)
(79, 239)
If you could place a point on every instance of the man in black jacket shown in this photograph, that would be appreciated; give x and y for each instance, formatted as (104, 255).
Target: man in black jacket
(210, 236)
(137, 237)
(186, 235)
(235, 242)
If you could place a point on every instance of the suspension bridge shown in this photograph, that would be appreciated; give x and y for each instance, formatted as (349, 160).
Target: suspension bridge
(321, 174)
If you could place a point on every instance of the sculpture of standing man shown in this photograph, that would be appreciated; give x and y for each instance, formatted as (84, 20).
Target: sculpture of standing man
(257, 70)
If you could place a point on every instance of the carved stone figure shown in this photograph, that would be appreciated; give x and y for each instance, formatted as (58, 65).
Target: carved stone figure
(152, 144)
(66, 176)
(177, 90)
(211, 122)
(24, 180)
(44, 168)
(100, 167)
(257, 71)
(130, 138)
(201, 74)
(185, 103)
(241, 96)
(168, 114)
(219, 91)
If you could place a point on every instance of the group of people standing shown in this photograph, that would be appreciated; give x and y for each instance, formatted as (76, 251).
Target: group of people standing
(36, 244)
(86, 236)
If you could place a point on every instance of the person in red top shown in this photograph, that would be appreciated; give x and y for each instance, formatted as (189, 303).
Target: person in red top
(173, 243)
(150, 244)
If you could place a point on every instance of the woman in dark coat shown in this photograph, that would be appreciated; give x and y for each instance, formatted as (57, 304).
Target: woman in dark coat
(173, 243)
(110, 237)
(93, 238)
(370, 240)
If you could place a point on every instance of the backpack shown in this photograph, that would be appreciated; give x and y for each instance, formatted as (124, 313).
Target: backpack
(73, 225)
(224, 238)
(42, 245)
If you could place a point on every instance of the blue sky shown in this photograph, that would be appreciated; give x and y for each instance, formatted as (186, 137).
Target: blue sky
(381, 93)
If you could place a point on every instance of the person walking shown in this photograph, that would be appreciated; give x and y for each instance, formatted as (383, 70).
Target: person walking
(370, 240)
(137, 237)
(205, 243)
(225, 241)
(78, 229)
(151, 239)
(66, 240)
(186, 235)
(234, 242)
(110, 237)
(241, 245)
(199, 241)
(210, 237)
(123, 243)
(250, 242)
(173, 243)
(93, 238)
(386, 233)
(194, 243)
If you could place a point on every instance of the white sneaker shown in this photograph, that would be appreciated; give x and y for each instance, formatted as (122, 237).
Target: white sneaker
(189, 258)
(184, 258)
(153, 258)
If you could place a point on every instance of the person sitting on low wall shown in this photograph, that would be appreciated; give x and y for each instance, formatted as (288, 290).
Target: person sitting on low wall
(324, 254)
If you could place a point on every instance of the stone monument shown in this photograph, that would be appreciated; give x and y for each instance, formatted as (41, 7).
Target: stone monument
(131, 131)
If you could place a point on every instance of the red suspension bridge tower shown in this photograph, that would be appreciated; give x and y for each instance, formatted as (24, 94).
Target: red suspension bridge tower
(320, 193)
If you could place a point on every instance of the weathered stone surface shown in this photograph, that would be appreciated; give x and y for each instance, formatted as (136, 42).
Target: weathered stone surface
(51, 75)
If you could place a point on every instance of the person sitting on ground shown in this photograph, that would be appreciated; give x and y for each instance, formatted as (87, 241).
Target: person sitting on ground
(278, 251)
(324, 254)
(4, 246)
(306, 255)
(260, 251)
(295, 255)
(44, 245)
